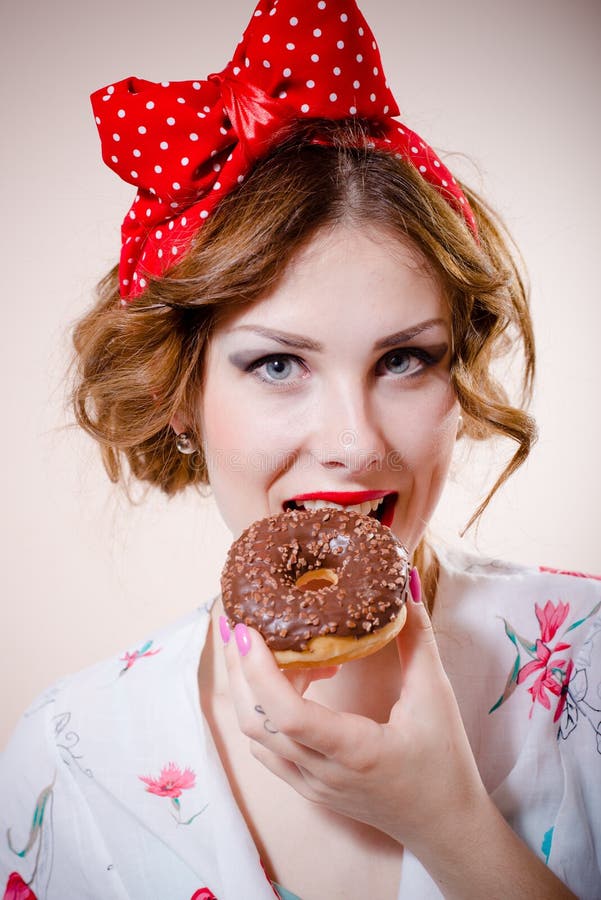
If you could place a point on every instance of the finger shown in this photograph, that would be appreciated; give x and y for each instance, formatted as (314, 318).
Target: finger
(306, 722)
(254, 715)
(300, 679)
(416, 643)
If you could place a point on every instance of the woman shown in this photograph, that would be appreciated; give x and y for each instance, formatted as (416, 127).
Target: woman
(327, 323)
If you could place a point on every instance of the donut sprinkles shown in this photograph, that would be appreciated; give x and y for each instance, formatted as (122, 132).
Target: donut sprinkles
(308, 574)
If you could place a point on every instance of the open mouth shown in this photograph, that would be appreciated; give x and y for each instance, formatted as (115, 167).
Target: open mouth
(380, 506)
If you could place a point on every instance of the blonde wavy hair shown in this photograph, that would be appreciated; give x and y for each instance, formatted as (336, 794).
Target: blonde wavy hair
(138, 366)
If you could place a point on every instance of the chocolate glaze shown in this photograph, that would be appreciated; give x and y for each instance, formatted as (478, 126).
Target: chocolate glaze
(258, 583)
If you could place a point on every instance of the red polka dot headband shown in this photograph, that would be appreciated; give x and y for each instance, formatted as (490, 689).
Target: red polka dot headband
(186, 144)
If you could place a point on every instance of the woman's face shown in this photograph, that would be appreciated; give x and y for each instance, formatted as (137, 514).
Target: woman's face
(337, 381)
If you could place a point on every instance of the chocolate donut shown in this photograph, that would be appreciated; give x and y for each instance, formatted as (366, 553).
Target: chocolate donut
(322, 586)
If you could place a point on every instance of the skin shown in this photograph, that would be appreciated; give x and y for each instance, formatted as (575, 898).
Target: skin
(349, 417)
(354, 418)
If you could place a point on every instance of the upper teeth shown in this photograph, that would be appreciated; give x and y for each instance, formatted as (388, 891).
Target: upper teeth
(364, 508)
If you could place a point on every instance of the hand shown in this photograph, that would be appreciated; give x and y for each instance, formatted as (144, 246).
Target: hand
(414, 777)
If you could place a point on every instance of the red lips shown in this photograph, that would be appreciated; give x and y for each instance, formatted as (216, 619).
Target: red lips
(348, 498)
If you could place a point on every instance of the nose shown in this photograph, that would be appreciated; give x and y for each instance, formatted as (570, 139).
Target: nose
(347, 431)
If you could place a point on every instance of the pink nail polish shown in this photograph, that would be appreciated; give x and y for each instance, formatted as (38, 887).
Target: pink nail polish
(415, 586)
(224, 630)
(242, 635)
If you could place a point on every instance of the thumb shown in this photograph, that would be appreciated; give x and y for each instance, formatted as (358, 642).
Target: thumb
(416, 643)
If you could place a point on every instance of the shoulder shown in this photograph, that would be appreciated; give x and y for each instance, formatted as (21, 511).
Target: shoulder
(50, 729)
(516, 587)
(79, 739)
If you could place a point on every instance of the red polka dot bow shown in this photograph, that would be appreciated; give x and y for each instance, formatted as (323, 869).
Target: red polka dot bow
(187, 144)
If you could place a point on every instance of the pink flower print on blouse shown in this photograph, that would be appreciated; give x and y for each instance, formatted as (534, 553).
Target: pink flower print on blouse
(556, 676)
(16, 889)
(130, 658)
(551, 617)
(203, 894)
(170, 783)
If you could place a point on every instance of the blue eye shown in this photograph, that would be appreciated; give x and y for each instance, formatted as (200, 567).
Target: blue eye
(277, 368)
(398, 361)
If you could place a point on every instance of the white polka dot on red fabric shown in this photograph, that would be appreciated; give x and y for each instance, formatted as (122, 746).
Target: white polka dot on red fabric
(203, 214)
(216, 167)
(165, 83)
(414, 150)
(376, 71)
(314, 57)
(240, 179)
(110, 89)
(142, 129)
(174, 250)
(236, 70)
(359, 57)
(360, 31)
(305, 108)
(98, 120)
(115, 159)
(133, 173)
(437, 164)
(132, 214)
(217, 186)
(180, 100)
(170, 120)
(333, 97)
(121, 113)
(340, 45)
(158, 169)
(356, 84)
(445, 183)
(423, 169)
(321, 4)
(184, 160)
(164, 145)
(196, 85)
(353, 110)
(343, 17)
(287, 73)
(150, 104)
(184, 220)
(293, 21)
(193, 136)
(136, 152)
(158, 235)
(160, 254)
(372, 97)
(116, 137)
(290, 46)
(336, 70)
(317, 32)
(267, 64)
(266, 38)
(310, 84)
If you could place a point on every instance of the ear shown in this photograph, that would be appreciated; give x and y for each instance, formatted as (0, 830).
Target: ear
(178, 423)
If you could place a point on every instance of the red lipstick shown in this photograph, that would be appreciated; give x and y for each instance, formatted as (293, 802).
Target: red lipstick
(348, 498)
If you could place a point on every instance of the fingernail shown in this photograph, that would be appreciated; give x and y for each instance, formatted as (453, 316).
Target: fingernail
(242, 635)
(224, 630)
(415, 586)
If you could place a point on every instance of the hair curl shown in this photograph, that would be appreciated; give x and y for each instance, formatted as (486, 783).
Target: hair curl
(139, 365)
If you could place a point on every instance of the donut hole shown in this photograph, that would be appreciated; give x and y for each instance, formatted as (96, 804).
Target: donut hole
(314, 579)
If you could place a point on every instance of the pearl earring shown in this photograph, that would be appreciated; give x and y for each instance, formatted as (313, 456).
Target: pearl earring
(185, 444)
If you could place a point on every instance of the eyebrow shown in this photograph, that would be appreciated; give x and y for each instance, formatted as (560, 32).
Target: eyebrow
(302, 343)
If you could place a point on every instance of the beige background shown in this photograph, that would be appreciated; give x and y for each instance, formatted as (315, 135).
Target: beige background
(513, 84)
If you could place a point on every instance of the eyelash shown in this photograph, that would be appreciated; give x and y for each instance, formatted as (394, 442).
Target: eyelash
(414, 352)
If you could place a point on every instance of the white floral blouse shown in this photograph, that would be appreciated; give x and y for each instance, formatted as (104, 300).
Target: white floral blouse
(111, 786)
